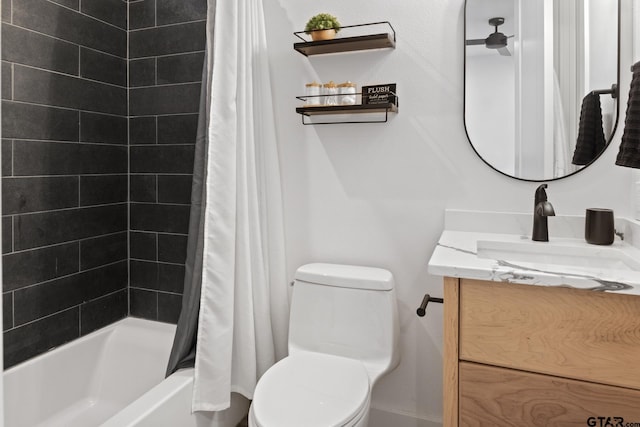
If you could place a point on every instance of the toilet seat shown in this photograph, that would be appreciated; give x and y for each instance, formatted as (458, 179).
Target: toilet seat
(312, 390)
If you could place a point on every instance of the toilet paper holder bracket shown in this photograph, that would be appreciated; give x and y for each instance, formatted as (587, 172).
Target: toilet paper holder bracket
(422, 310)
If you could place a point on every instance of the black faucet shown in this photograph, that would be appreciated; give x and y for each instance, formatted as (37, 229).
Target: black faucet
(541, 210)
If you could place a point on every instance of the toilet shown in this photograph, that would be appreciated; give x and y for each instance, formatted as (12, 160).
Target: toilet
(343, 336)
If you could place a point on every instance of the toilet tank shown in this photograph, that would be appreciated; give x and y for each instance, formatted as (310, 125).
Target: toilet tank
(347, 311)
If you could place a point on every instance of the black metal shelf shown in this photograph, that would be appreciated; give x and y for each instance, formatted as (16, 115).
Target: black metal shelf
(347, 109)
(347, 44)
(356, 42)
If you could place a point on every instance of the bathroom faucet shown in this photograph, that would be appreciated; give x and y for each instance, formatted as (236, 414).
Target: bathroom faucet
(541, 210)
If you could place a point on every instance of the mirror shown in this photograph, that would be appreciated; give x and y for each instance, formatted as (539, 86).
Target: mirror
(539, 103)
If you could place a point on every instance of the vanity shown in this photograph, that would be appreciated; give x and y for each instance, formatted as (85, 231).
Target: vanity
(538, 333)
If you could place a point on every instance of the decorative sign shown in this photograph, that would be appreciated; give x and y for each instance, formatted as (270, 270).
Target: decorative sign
(379, 94)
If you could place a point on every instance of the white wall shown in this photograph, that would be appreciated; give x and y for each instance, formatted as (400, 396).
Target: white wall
(600, 55)
(490, 92)
(375, 194)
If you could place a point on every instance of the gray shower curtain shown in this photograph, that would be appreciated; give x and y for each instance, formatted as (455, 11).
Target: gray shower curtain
(183, 351)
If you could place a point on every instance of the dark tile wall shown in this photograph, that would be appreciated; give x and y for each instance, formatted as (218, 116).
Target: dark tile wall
(64, 171)
(166, 54)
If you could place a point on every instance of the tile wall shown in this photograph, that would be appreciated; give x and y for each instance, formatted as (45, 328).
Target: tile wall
(166, 51)
(64, 168)
(93, 228)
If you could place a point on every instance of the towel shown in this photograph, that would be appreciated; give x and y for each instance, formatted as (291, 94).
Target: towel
(629, 154)
(591, 141)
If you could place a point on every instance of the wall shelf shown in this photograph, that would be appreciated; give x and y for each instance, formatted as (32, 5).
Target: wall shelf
(347, 44)
(361, 38)
(348, 109)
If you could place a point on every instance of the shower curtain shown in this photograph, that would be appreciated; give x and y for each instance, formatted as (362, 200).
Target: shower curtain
(561, 145)
(233, 324)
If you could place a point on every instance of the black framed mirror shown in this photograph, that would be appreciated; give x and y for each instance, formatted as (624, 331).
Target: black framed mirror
(541, 84)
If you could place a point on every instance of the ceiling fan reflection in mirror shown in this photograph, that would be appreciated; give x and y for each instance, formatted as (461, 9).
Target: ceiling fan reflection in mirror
(496, 40)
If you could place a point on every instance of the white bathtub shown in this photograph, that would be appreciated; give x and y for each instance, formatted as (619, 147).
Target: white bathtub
(113, 377)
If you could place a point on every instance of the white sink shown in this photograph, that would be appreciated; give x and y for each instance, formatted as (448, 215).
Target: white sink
(567, 254)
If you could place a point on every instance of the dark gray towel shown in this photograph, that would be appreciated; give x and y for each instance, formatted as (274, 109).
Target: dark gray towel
(591, 141)
(629, 154)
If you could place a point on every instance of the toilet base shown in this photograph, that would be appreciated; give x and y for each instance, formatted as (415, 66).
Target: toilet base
(362, 422)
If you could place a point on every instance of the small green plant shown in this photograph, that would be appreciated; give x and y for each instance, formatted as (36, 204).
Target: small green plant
(322, 21)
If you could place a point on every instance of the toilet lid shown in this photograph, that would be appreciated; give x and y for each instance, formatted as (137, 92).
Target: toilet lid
(311, 390)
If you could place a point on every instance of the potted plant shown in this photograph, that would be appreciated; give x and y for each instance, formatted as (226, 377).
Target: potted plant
(322, 27)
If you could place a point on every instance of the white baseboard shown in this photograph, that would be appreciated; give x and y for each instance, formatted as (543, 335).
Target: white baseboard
(382, 418)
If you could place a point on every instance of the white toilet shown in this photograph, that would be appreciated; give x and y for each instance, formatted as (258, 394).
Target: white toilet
(343, 336)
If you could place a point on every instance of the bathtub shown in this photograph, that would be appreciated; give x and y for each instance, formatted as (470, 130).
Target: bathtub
(113, 377)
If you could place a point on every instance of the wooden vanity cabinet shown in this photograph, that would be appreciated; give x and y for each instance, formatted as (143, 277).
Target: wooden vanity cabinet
(522, 355)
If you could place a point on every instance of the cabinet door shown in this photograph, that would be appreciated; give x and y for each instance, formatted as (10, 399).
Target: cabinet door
(492, 396)
(570, 333)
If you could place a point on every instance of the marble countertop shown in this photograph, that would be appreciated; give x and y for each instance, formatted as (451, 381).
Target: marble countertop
(456, 255)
